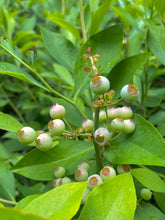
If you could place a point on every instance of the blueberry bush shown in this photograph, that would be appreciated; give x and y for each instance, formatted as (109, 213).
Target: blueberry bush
(82, 110)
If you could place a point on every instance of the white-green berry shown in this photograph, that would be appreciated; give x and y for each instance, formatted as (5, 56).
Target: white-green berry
(123, 168)
(57, 111)
(117, 125)
(146, 194)
(124, 112)
(57, 182)
(100, 85)
(107, 172)
(56, 127)
(65, 180)
(26, 135)
(59, 172)
(112, 113)
(44, 142)
(87, 125)
(83, 165)
(94, 180)
(81, 175)
(129, 126)
(129, 93)
(101, 136)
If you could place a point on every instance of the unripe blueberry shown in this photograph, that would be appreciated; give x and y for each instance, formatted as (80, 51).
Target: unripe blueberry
(107, 172)
(117, 124)
(57, 111)
(57, 182)
(59, 172)
(100, 85)
(65, 180)
(83, 165)
(96, 58)
(102, 116)
(101, 136)
(123, 168)
(26, 135)
(81, 175)
(94, 180)
(129, 126)
(44, 142)
(56, 127)
(146, 194)
(124, 112)
(87, 125)
(112, 113)
(129, 93)
(85, 196)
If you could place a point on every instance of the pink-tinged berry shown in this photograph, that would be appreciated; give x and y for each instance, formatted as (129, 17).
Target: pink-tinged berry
(83, 165)
(117, 125)
(124, 112)
(26, 135)
(146, 194)
(101, 136)
(94, 180)
(59, 172)
(81, 175)
(107, 172)
(44, 142)
(129, 126)
(96, 58)
(85, 196)
(65, 180)
(87, 125)
(56, 127)
(57, 182)
(123, 168)
(129, 93)
(112, 113)
(57, 111)
(100, 85)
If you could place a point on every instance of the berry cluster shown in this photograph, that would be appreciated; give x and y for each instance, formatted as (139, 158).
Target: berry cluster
(44, 141)
(81, 175)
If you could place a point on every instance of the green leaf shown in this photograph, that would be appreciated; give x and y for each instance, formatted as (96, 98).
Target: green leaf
(25, 201)
(14, 71)
(107, 44)
(149, 179)
(9, 123)
(7, 184)
(40, 165)
(115, 199)
(58, 19)
(148, 212)
(123, 72)
(160, 7)
(9, 213)
(160, 198)
(156, 39)
(60, 203)
(99, 15)
(60, 48)
(144, 146)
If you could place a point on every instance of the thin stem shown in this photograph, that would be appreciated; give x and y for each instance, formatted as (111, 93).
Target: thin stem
(90, 96)
(63, 7)
(82, 20)
(8, 201)
(97, 147)
(12, 105)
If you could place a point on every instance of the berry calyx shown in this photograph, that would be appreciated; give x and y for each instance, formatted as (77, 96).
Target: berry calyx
(117, 125)
(83, 165)
(81, 175)
(100, 85)
(107, 172)
(44, 142)
(59, 172)
(94, 180)
(87, 125)
(124, 112)
(129, 93)
(57, 182)
(26, 135)
(129, 126)
(146, 194)
(123, 168)
(56, 127)
(101, 136)
(57, 111)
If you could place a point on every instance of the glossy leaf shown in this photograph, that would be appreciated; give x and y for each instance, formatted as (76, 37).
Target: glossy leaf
(160, 198)
(9, 213)
(60, 203)
(149, 179)
(60, 48)
(144, 146)
(123, 72)
(99, 15)
(25, 201)
(148, 212)
(9, 123)
(40, 165)
(114, 199)
(58, 19)
(107, 44)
